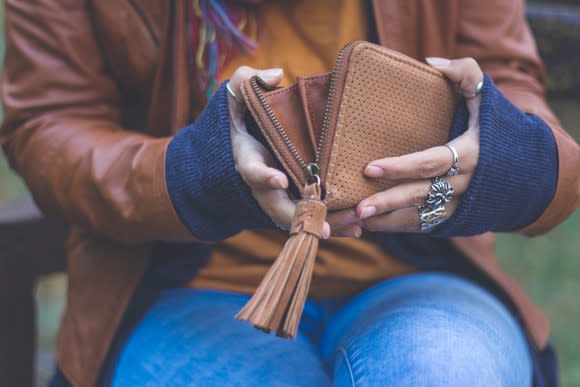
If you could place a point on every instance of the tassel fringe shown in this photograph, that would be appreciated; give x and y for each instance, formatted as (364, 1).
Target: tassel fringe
(278, 302)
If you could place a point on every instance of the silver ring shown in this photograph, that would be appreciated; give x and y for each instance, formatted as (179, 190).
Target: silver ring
(440, 193)
(477, 90)
(429, 218)
(238, 100)
(454, 170)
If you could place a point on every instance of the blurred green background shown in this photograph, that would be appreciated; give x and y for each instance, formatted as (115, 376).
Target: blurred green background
(547, 266)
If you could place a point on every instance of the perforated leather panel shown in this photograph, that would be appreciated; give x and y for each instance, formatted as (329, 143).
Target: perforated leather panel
(391, 105)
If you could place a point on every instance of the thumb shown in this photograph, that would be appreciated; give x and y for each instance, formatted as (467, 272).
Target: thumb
(271, 76)
(464, 73)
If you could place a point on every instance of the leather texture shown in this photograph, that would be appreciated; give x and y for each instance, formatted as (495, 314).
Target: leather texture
(75, 130)
(278, 302)
(384, 104)
(310, 216)
(390, 105)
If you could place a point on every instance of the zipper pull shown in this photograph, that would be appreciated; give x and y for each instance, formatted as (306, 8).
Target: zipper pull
(312, 172)
(278, 302)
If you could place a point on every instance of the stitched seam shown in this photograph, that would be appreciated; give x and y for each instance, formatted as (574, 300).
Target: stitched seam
(268, 124)
(338, 134)
(350, 371)
(281, 91)
(316, 77)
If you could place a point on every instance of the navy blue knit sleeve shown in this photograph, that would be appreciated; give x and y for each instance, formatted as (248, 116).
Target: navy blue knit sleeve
(207, 192)
(515, 178)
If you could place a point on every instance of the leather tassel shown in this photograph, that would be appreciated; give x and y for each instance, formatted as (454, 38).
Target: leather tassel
(278, 302)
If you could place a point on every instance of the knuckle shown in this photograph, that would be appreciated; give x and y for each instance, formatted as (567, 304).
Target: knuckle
(379, 200)
(471, 61)
(428, 168)
(244, 72)
(384, 204)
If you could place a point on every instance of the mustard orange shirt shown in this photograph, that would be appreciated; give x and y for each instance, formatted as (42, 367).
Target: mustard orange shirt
(302, 37)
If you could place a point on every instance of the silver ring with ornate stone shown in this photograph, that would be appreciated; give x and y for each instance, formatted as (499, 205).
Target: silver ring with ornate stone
(440, 193)
(454, 170)
(429, 218)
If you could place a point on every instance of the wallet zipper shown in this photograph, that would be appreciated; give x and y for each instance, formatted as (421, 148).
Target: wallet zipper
(311, 170)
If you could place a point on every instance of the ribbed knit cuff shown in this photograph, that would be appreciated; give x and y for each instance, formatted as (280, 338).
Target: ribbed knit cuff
(515, 178)
(207, 192)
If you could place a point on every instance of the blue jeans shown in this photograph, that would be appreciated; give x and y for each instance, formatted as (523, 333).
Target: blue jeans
(424, 329)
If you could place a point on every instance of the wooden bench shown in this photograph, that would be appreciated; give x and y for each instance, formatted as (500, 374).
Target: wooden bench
(30, 246)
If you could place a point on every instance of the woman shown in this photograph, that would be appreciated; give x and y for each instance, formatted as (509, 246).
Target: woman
(103, 104)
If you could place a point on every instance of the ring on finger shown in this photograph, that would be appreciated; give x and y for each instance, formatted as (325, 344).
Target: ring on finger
(477, 90)
(440, 192)
(454, 170)
(429, 218)
(231, 92)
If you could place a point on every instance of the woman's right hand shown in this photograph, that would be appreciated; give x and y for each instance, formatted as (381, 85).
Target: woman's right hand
(253, 161)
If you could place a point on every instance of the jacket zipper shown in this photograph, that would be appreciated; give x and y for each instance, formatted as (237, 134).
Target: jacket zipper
(311, 170)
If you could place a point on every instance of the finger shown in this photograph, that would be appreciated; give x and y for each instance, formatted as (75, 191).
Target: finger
(464, 73)
(411, 194)
(353, 231)
(342, 219)
(277, 205)
(259, 176)
(404, 220)
(271, 77)
(326, 231)
(426, 164)
(252, 164)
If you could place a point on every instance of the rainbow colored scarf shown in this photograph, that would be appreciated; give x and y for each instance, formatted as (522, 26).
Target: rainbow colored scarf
(218, 33)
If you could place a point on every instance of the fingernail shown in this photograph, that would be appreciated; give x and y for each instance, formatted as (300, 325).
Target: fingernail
(270, 73)
(276, 182)
(373, 171)
(357, 232)
(438, 62)
(368, 212)
(325, 234)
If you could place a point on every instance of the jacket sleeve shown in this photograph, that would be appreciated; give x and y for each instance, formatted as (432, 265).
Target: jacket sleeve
(62, 129)
(497, 35)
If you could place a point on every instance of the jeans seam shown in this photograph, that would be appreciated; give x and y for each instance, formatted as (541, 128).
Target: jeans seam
(350, 371)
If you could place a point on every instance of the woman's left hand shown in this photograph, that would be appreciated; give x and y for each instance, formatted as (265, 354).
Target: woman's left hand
(395, 209)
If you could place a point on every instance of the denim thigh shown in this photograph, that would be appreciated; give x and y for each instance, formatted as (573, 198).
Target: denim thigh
(426, 329)
(190, 338)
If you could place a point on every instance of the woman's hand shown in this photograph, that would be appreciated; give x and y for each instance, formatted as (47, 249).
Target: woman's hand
(252, 160)
(395, 209)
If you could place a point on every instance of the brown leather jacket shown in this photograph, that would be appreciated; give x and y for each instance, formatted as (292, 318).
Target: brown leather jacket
(80, 74)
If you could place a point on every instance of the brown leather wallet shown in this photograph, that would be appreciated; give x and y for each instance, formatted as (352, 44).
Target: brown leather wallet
(376, 103)
(324, 130)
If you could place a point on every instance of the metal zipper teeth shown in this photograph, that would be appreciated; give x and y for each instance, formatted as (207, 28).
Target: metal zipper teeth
(277, 125)
(325, 121)
(329, 104)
